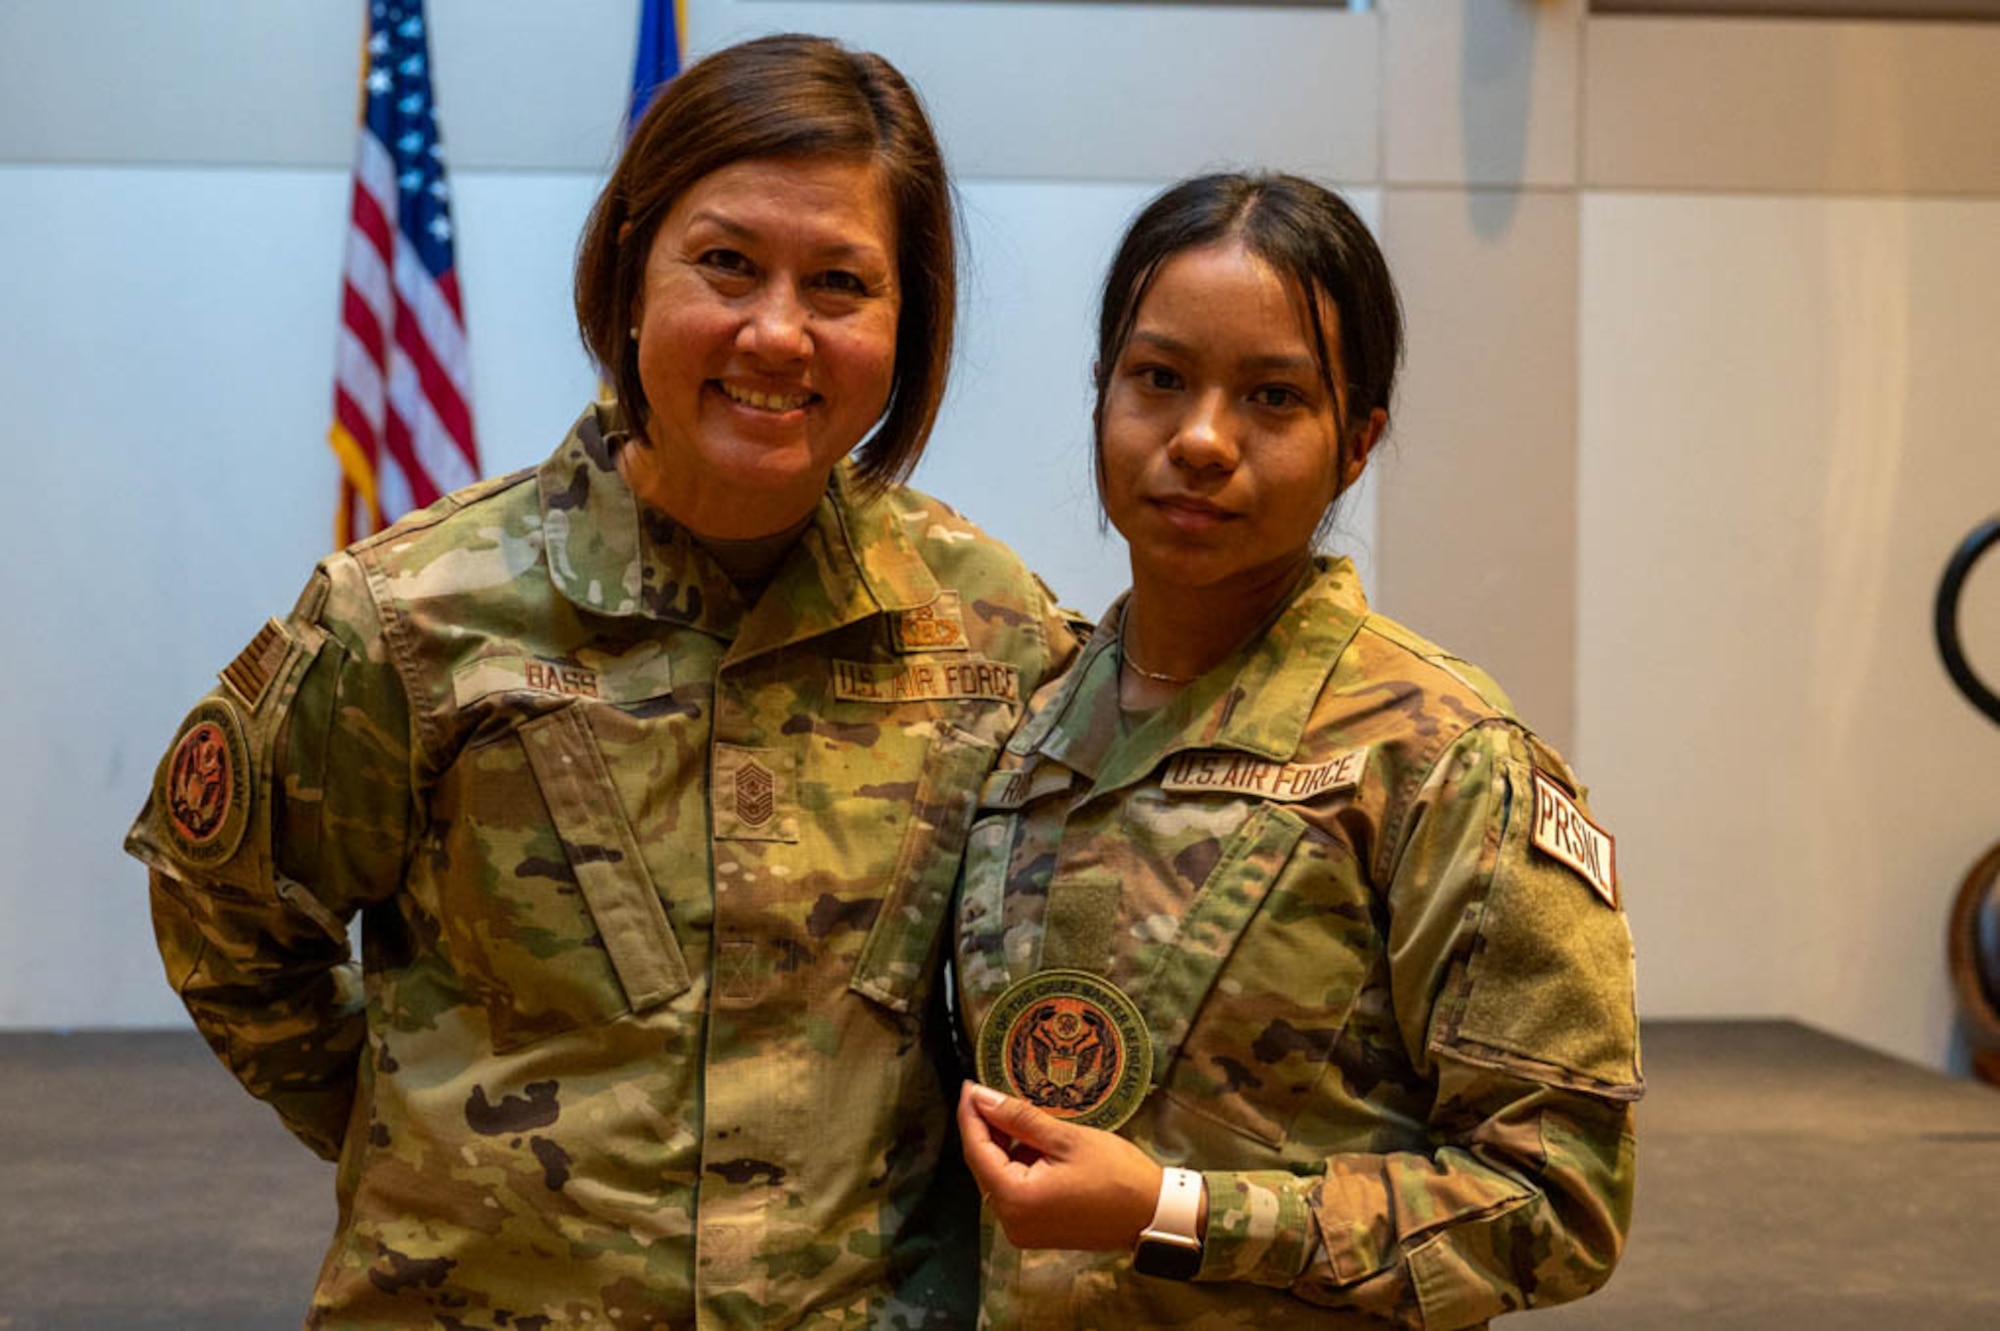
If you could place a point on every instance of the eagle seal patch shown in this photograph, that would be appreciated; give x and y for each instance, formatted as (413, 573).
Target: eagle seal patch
(1071, 1043)
(204, 785)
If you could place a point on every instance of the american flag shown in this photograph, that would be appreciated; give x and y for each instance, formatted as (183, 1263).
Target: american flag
(402, 402)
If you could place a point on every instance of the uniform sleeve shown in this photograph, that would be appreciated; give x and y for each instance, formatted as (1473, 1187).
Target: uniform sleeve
(283, 806)
(1511, 969)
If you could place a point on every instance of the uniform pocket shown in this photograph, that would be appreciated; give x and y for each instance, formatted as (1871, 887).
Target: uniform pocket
(566, 929)
(604, 855)
(897, 959)
(1282, 929)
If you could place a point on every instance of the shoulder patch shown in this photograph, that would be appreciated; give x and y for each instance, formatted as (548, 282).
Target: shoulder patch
(1234, 773)
(251, 673)
(1563, 832)
(204, 785)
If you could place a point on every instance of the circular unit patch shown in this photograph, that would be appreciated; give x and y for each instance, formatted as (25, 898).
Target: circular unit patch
(1070, 1042)
(205, 785)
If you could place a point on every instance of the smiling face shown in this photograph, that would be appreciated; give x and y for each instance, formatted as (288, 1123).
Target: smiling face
(1218, 443)
(767, 340)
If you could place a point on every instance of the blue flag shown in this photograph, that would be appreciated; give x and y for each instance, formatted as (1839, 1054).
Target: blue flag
(658, 58)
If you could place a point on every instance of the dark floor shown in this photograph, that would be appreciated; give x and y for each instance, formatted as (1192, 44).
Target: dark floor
(1787, 1180)
(1791, 1180)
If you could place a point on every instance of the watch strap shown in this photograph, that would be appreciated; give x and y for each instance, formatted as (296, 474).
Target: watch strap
(1178, 1213)
(1170, 1247)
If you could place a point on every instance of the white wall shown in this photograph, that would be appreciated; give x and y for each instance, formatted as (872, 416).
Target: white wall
(167, 307)
(1701, 405)
(165, 358)
(1790, 406)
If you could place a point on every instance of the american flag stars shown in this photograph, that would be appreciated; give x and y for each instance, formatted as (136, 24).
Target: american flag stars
(402, 393)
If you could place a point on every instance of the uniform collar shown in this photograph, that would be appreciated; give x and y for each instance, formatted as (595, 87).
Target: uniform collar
(1257, 702)
(610, 554)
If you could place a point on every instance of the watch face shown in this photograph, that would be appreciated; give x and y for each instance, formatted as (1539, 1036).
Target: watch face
(1167, 1260)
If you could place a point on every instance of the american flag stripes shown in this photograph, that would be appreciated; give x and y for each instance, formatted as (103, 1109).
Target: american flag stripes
(402, 404)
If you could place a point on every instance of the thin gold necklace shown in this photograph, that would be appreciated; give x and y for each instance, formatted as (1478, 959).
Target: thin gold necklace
(1125, 654)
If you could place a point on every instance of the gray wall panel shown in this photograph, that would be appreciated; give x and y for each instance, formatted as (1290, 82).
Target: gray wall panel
(1478, 490)
(523, 85)
(1791, 106)
(224, 82)
(1115, 92)
(1480, 94)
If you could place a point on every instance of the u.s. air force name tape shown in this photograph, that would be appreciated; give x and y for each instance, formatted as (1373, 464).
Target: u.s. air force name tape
(1069, 1042)
(966, 677)
(1562, 831)
(1210, 772)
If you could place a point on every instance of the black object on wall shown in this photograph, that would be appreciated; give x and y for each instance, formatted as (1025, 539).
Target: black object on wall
(1972, 940)
(1976, 690)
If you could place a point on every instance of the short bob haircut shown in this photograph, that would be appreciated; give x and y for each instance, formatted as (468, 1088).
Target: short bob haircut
(1310, 237)
(787, 96)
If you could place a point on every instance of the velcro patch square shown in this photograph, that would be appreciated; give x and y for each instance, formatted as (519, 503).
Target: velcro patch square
(754, 794)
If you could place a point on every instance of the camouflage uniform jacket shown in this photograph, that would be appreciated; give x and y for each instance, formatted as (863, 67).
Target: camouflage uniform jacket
(1393, 1030)
(652, 887)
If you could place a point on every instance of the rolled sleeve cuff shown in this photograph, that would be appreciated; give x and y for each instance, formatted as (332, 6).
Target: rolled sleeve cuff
(1260, 1227)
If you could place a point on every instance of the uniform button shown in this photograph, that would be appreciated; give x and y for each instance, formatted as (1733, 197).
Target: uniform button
(726, 1245)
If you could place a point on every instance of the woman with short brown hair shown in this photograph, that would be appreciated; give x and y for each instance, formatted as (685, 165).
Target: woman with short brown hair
(648, 772)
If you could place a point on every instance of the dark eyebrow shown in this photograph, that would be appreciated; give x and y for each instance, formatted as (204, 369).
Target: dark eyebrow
(1173, 346)
(836, 253)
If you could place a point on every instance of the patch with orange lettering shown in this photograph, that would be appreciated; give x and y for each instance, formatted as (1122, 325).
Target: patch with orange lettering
(937, 627)
(938, 677)
(1071, 1043)
(204, 785)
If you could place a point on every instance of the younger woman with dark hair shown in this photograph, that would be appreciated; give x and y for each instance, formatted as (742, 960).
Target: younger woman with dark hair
(1298, 979)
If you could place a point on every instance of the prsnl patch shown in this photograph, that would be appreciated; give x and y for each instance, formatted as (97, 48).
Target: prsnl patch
(1564, 832)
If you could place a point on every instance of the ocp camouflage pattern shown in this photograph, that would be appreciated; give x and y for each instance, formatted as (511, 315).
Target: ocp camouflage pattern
(1397, 1037)
(640, 1035)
